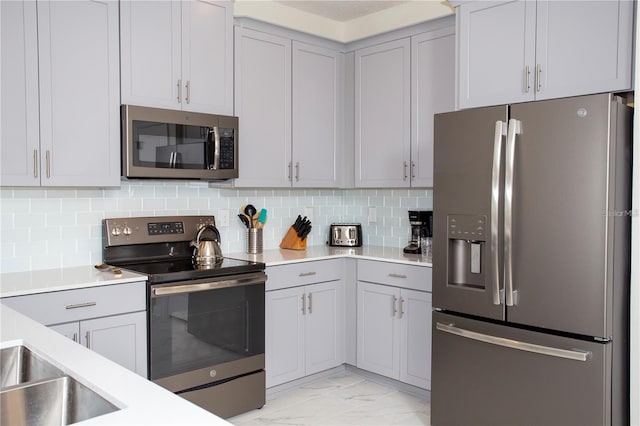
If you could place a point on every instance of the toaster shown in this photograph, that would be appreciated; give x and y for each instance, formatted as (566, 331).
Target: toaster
(345, 234)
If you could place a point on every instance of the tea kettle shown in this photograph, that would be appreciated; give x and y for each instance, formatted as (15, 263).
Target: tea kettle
(207, 251)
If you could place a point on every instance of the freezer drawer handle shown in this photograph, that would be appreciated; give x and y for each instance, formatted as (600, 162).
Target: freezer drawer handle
(514, 344)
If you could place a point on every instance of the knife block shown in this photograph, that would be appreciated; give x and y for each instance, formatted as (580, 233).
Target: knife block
(292, 241)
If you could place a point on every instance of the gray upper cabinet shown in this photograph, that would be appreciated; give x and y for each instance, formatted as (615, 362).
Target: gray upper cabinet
(60, 104)
(432, 92)
(528, 50)
(382, 115)
(178, 54)
(288, 98)
(399, 86)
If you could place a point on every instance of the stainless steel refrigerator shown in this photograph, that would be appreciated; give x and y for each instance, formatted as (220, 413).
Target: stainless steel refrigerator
(531, 264)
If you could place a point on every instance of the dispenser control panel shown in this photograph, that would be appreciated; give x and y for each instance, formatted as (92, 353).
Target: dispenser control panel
(467, 227)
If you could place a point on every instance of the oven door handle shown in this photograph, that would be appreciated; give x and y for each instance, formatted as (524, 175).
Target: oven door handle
(234, 281)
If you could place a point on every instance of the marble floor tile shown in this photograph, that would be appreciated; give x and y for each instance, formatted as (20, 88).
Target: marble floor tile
(345, 398)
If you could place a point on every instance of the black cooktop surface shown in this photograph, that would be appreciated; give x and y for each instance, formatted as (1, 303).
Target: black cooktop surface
(185, 269)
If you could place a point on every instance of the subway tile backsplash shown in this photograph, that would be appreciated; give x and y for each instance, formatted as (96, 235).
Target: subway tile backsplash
(51, 228)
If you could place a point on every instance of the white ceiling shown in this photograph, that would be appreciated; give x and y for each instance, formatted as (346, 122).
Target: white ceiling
(341, 11)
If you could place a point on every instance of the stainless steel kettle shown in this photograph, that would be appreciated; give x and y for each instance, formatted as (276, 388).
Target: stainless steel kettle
(207, 251)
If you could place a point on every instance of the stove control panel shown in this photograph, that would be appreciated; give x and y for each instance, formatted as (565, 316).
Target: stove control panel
(145, 230)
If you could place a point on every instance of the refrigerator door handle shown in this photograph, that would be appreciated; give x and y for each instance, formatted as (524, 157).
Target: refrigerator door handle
(513, 130)
(500, 131)
(571, 354)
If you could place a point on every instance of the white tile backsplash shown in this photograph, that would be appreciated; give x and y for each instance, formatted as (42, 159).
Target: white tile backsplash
(49, 228)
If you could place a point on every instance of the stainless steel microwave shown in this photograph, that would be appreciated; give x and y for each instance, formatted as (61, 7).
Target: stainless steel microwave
(167, 144)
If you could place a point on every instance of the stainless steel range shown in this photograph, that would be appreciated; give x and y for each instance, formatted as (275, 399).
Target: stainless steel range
(206, 323)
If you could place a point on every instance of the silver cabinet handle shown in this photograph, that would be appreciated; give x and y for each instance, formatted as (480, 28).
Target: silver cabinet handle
(404, 170)
(514, 129)
(290, 169)
(88, 336)
(306, 274)
(48, 155)
(297, 171)
(527, 73)
(401, 303)
(538, 77)
(179, 98)
(310, 303)
(394, 299)
(35, 163)
(188, 86)
(304, 304)
(75, 337)
(81, 305)
(394, 275)
(500, 131)
(413, 170)
(575, 355)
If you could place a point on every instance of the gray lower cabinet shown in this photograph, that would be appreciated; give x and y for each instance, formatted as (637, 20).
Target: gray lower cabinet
(394, 321)
(110, 320)
(304, 309)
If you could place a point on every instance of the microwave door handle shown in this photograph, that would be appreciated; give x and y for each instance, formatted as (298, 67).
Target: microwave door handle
(216, 148)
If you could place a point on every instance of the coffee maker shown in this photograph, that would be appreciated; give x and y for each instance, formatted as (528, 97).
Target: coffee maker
(421, 222)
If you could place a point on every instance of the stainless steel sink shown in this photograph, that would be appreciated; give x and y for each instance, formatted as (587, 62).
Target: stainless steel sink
(20, 365)
(35, 392)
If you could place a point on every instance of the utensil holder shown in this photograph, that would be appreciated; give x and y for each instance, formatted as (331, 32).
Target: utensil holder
(254, 240)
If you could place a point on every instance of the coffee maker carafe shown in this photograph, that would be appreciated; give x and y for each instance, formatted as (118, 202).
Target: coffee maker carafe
(421, 222)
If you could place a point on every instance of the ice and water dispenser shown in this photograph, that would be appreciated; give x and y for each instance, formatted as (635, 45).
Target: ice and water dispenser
(468, 250)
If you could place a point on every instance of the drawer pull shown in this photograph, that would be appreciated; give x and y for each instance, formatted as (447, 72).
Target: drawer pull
(392, 275)
(81, 305)
(306, 274)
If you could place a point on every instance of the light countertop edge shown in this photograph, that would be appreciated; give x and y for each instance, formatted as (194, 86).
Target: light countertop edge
(144, 402)
(275, 257)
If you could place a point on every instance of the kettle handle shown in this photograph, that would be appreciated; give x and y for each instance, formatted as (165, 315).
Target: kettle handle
(210, 228)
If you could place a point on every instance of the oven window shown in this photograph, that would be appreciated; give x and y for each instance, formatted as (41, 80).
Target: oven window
(197, 330)
(162, 145)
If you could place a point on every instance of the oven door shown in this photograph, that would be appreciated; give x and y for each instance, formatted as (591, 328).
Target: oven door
(206, 331)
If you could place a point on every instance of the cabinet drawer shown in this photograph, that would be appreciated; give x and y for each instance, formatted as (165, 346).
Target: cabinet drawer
(75, 305)
(395, 274)
(303, 273)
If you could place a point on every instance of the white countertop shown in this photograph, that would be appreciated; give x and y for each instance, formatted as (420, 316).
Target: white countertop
(32, 282)
(142, 401)
(275, 257)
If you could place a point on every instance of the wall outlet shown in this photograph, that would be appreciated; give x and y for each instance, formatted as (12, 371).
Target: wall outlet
(373, 215)
(223, 217)
(308, 212)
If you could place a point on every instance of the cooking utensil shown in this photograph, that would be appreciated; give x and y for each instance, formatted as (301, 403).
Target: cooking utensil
(207, 251)
(245, 220)
(250, 210)
(262, 218)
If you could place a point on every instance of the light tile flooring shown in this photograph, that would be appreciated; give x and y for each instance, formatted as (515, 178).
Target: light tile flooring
(344, 398)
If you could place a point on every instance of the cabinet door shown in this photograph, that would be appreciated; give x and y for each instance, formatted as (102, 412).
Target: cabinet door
(583, 47)
(316, 105)
(150, 37)
(79, 102)
(432, 92)
(121, 338)
(496, 56)
(324, 326)
(19, 138)
(284, 335)
(70, 330)
(378, 329)
(207, 56)
(382, 115)
(263, 101)
(415, 340)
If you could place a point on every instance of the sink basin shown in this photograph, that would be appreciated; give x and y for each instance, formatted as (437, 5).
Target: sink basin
(60, 401)
(35, 392)
(20, 365)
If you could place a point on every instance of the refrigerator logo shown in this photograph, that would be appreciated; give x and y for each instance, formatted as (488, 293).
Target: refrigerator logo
(582, 112)
(623, 213)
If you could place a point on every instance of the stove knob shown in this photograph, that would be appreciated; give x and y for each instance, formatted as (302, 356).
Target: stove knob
(126, 230)
(116, 231)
